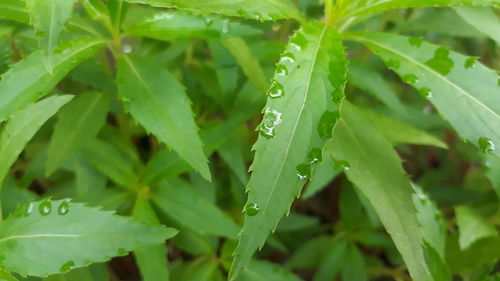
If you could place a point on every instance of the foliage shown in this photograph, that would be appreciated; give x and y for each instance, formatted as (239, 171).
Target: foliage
(264, 139)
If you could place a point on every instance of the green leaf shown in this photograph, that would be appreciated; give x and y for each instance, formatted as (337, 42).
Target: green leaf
(152, 260)
(19, 130)
(298, 119)
(472, 227)
(375, 168)
(171, 25)
(262, 270)
(158, 101)
(79, 122)
(331, 262)
(250, 9)
(398, 132)
(49, 18)
(13, 10)
(28, 80)
(5, 276)
(185, 205)
(361, 7)
(247, 61)
(47, 237)
(483, 19)
(354, 265)
(110, 162)
(464, 91)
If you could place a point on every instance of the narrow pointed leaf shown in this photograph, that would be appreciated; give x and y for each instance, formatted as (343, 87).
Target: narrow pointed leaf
(47, 237)
(472, 227)
(152, 260)
(247, 61)
(49, 18)
(110, 162)
(19, 130)
(250, 9)
(170, 25)
(158, 101)
(79, 122)
(464, 91)
(483, 19)
(28, 80)
(298, 120)
(262, 270)
(361, 7)
(13, 10)
(375, 168)
(189, 208)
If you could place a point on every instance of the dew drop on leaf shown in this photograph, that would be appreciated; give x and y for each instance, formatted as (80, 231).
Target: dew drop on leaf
(415, 41)
(67, 266)
(441, 61)
(470, 62)
(63, 209)
(251, 209)
(410, 78)
(426, 93)
(393, 64)
(271, 119)
(344, 165)
(326, 124)
(299, 41)
(338, 95)
(486, 145)
(281, 70)
(304, 171)
(315, 155)
(288, 57)
(276, 91)
(225, 26)
(208, 21)
(45, 208)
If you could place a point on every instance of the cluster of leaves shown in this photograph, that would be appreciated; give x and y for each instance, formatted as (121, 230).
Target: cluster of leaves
(151, 109)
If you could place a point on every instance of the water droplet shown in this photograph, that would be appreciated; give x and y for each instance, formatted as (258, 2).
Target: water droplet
(67, 266)
(426, 93)
(287, 57)
(251, 209)
(441, 62)
(304, 171)
(28, 210)
(225, 26)
(416, 41)
(276, 91)
(338, 95)
(326, 124)
(281, 70)
(45, 208)
(393, 64)
(470, 62)
(126, 48)
(410, 79)
(121, 252)
(315, 155)
(63, 209)
(270, 120)
(343, 165)
(298, 41)
(486, 145)
(209, 22)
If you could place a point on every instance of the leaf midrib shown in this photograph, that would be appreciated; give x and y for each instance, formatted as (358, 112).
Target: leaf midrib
(293, 132)
(388, 198)
(441, 77)
(56, 235)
